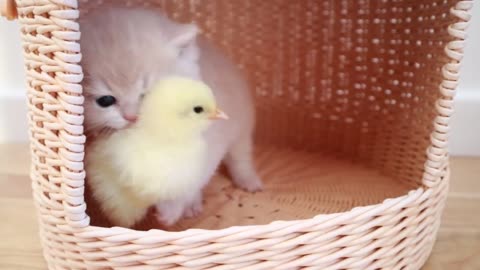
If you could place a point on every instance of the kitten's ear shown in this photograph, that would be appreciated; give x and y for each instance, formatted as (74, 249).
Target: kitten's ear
(184, 42)
(185, 36)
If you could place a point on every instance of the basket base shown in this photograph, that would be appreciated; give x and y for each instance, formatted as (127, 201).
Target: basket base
(298, 185)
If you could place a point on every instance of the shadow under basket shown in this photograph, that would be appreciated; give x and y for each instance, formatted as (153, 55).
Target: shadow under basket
(353, 101)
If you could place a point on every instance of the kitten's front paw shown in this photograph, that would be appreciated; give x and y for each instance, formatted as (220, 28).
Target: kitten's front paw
(165, 220)
(250, 184)
(194, 210)
(169, 213)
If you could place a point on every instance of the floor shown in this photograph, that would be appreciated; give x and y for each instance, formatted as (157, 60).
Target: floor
(457, 247)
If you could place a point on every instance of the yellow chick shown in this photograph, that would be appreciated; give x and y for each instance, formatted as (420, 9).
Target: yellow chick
(160, 160)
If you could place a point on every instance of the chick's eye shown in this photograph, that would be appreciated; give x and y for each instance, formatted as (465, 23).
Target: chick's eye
(198, 109)
(106, 101)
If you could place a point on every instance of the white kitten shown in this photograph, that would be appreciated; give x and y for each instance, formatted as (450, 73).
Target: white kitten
(126, 50)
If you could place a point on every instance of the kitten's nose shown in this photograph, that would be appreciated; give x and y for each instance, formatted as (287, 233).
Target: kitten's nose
(131, 118)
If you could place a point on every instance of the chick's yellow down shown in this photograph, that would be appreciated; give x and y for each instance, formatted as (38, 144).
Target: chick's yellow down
(160, 160)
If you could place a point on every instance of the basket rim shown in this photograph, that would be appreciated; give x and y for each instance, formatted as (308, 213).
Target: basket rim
(326, 220)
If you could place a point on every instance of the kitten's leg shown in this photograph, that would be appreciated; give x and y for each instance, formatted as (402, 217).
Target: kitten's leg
(169, 212)
(195, 207)
(239, 161)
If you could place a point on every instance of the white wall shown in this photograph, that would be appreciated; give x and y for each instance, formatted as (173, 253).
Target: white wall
(13, 121)
(470, 79)
(11, 60)
(465, 137)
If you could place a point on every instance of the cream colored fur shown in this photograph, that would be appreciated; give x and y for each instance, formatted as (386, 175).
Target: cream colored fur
(126, 50)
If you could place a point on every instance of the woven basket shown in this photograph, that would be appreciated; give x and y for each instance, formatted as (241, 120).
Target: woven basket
(354, 101)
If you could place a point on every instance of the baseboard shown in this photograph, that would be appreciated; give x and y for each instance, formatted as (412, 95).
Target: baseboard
(13, 118)
(465, 132)
(464, 137)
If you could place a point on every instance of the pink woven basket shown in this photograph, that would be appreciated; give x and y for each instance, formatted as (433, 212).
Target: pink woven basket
(354, 101)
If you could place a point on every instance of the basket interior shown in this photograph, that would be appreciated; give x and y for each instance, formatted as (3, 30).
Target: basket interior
(345, 93)
(298, 185)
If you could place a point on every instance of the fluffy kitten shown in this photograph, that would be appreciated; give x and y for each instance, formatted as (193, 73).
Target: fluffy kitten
(126, 50)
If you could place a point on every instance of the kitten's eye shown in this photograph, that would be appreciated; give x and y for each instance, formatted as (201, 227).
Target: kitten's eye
(198, 109)
(142, 96)
(106, 101)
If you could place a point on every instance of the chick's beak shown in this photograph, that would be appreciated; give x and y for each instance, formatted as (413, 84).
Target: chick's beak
(218, 114)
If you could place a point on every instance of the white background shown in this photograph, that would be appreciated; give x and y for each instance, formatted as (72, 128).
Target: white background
(465, 136)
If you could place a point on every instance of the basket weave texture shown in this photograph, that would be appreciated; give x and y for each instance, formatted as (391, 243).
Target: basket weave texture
(363, 87)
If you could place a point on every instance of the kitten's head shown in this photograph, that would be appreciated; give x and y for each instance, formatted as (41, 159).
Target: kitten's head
(125, 52)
